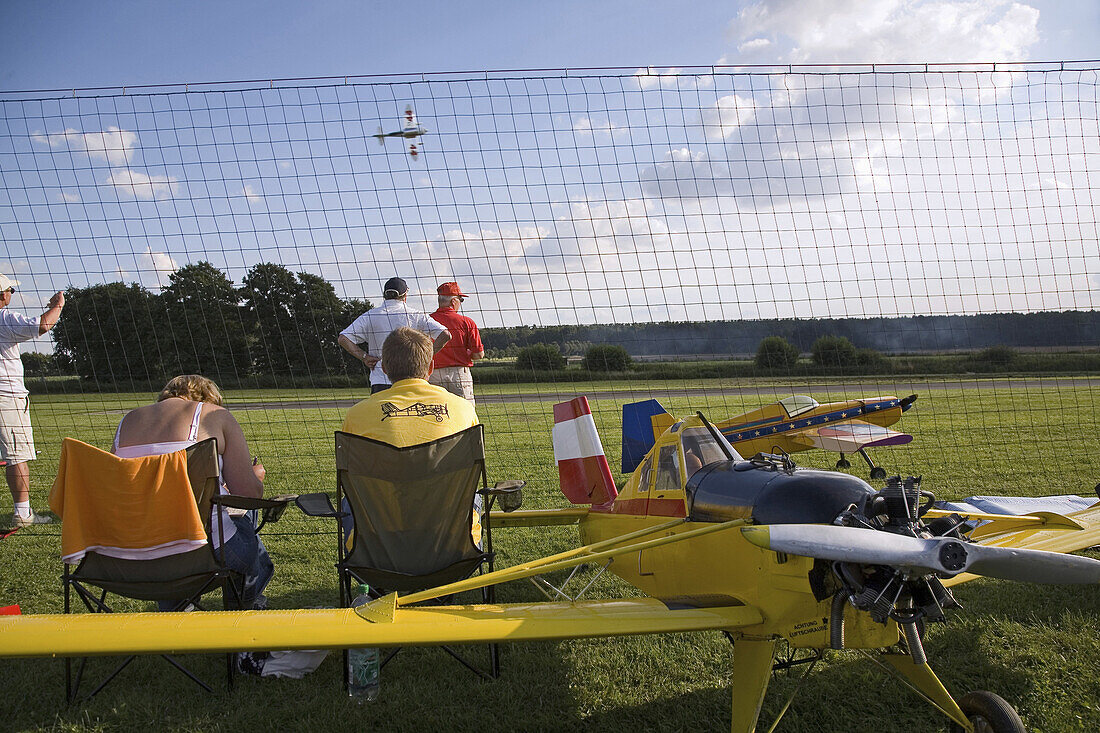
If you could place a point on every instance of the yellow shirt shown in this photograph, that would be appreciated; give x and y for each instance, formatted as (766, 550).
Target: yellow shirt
(410, 412)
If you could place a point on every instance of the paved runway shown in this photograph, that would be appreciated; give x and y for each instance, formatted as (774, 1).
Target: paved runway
(870, 389)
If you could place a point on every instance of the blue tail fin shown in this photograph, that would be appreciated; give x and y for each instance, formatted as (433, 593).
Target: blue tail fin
(638, 431)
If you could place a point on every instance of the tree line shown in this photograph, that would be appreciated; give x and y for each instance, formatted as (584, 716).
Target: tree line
(276, 323)
(279, 323)
(913, 334)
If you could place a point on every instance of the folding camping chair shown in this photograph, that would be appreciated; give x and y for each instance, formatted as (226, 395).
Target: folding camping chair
(413, 510)
(184, 577)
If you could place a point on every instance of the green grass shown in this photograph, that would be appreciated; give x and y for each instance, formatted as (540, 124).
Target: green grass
(1037, 646)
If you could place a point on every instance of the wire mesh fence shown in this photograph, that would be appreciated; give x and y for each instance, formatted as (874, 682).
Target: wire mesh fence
(927, 230)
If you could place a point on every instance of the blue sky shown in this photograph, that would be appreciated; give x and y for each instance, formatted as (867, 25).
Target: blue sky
(46, 45)
(656, 193)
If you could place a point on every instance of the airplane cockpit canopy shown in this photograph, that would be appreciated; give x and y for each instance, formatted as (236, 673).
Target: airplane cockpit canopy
(797, 404)
(701, 448)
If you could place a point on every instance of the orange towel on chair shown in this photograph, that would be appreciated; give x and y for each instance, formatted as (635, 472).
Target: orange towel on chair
(134, 508)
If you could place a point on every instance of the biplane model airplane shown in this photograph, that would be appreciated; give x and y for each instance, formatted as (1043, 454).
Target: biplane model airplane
(409, 130)
(792, 424)
(759, 549)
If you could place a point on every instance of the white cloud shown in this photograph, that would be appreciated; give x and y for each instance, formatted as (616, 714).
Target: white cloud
(250, 193)
(672, 78)
(141, 185)
(729, 113)
(884, 31)
(585, 126)
(113, 145)
(69, 197)
(150, 269)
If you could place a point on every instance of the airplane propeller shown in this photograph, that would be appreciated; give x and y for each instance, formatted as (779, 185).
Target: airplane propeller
(943, 556)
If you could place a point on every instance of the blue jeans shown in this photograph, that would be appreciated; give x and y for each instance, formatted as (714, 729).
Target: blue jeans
(244, 553)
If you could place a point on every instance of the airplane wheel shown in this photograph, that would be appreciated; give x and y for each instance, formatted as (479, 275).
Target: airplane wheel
(878, 473)
(843, 464)
(990, 713)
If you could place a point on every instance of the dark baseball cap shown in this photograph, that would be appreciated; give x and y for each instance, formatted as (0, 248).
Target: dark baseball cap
(395, 288)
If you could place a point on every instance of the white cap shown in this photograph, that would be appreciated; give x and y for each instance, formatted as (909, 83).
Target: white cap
(6, 282)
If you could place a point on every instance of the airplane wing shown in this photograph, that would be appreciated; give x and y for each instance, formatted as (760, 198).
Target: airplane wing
(848, 436)
(410, 117)
(1049, 531)
(389, 621)
(88, 634)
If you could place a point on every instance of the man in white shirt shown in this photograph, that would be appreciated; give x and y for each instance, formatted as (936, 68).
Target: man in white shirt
(372, 328)
(16, 439)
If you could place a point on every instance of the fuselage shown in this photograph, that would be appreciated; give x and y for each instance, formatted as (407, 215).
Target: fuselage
(723, 568)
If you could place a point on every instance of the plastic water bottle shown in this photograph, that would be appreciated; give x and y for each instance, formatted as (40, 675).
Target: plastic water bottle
(363, 664)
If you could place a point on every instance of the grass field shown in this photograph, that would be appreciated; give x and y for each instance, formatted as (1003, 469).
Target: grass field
(1038, 647)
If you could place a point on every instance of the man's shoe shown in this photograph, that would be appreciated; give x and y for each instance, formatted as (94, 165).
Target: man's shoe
(19, 522)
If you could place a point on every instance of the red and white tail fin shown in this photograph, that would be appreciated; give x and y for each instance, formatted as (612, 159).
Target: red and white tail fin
(582, 466)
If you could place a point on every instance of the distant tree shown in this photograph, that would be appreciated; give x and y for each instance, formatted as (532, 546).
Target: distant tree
(316, 310)
(109, 334)
(201, 308)
(776, 352)
(871, 360)
(833, 351)
(540, 357)
(606, 358)
(36, 364)
(268, 293)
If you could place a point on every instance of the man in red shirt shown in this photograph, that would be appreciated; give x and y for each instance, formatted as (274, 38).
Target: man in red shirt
(452, 363)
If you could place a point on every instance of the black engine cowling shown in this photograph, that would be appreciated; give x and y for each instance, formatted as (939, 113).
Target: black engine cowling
(772, 491)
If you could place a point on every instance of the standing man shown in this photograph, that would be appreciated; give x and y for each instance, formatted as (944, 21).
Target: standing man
(372, 328)
(452, 363)
(16, 439)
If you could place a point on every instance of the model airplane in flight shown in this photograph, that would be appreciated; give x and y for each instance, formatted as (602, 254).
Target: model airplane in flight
(759, 549)
(409, 130)
(793, 424)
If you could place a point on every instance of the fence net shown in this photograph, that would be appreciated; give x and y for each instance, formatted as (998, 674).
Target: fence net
(742, 235)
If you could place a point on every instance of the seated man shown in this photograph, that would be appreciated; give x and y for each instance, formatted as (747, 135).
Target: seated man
(412, 411)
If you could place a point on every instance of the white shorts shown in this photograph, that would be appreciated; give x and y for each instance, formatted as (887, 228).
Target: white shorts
(16, 438)
(456, 380)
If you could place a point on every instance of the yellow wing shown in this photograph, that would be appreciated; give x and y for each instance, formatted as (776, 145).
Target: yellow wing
(88, 634)
(1036, 531)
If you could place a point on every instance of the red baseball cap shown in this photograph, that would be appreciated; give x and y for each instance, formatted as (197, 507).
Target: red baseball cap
(451, 289)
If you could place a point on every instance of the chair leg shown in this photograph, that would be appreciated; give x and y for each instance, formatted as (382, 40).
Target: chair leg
(109, 677)
(466, 664)
(186, 671)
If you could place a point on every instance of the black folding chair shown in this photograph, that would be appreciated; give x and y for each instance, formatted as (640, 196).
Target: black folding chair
(412, 512)
(183, 577)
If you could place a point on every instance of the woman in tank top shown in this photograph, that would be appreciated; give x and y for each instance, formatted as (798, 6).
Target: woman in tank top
(188, 410)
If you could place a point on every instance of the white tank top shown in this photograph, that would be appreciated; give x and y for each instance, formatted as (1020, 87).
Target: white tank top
(158, 449)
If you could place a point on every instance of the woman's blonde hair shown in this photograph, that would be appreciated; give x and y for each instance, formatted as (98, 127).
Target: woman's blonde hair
(192, 387)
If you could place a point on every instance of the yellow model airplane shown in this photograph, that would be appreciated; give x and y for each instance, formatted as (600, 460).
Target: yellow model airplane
(792, 424)
(759, 549)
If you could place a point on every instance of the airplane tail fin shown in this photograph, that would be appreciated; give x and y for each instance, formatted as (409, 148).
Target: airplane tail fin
(641, 430)
(582, 466)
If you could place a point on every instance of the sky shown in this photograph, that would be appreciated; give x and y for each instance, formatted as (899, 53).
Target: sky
(657, 192)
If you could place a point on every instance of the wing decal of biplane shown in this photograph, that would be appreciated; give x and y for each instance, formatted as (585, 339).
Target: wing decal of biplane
(848, 437)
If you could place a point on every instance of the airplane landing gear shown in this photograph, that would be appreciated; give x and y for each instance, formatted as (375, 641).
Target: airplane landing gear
(990, 713)
(844, 464)
(877, 472)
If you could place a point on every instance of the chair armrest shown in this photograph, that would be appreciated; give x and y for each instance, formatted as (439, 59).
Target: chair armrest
(271, 509)
(317, 505)
(509, 493)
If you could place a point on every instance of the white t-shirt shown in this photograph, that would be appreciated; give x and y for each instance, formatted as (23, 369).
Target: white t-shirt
(15, 328)
(375, 325)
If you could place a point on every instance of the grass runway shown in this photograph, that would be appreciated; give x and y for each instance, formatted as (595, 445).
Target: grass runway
(1039, 647)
